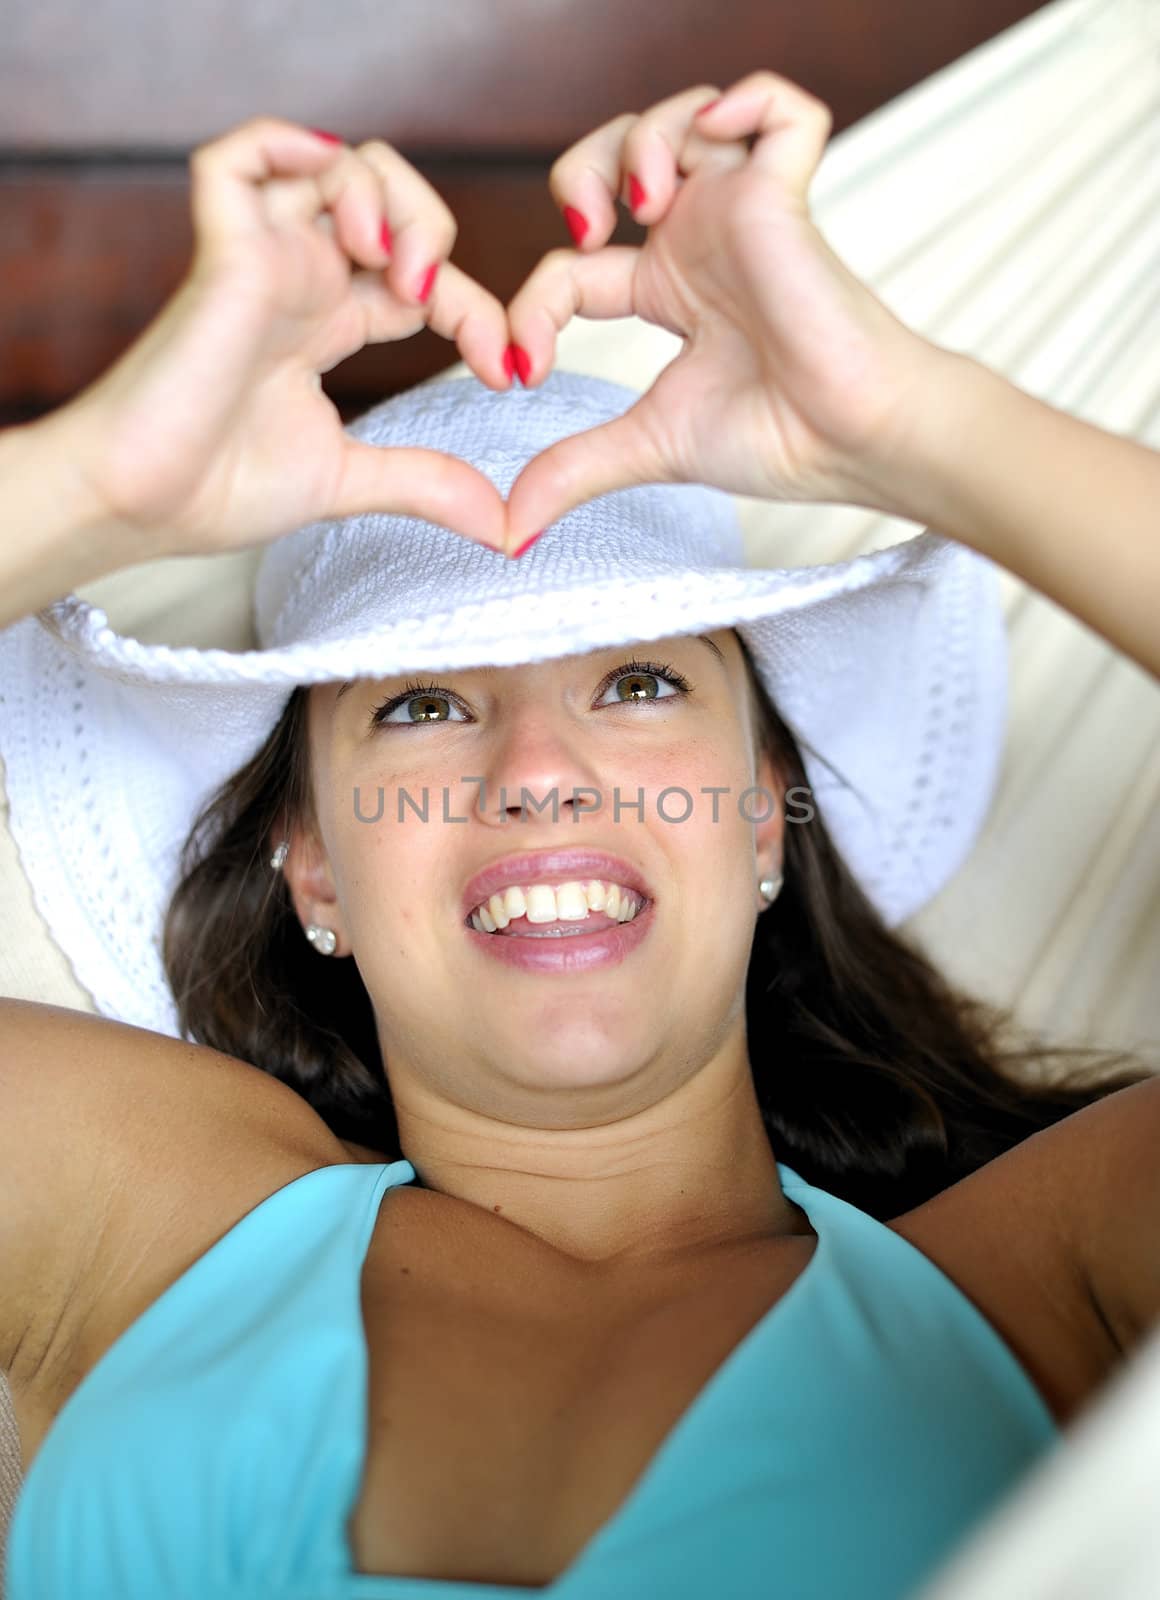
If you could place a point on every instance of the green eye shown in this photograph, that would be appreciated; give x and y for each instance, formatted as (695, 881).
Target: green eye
(642, 680)
(639, 686)
(424, 707)
(420, 702)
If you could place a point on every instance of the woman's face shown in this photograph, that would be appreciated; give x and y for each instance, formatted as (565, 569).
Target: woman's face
(581, 748)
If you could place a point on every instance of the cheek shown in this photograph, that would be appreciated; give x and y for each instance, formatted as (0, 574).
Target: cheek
(691, 772)
(699, 750)
(692, 812)
(387, 874)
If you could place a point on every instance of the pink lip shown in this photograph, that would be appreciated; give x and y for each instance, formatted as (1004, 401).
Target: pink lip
(577, 952)
(553, 866)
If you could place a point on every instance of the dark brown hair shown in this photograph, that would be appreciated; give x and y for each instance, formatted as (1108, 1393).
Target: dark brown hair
(877, 1079)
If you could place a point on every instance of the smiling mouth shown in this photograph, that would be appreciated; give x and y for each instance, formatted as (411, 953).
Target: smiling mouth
(568, 909)
(570, 928)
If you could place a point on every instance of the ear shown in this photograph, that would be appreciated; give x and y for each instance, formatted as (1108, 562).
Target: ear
(311, 885)
(767, 807)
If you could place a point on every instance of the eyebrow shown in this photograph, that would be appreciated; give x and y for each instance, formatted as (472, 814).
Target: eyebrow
(703, 638)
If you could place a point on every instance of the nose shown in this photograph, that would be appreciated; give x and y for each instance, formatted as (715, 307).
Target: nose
(538, 771)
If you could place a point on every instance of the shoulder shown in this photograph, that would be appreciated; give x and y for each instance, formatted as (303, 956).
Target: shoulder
(1055, 1240)
(106, 1128)
(1102, 1169)
(50, 1056)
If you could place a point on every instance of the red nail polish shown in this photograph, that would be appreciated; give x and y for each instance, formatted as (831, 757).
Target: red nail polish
(385, 238)
(526, 543)
(636, 194)
(428, 281)
(331, 138)
(701, 110)
(523, 364)
(577, 223)
(509, 361)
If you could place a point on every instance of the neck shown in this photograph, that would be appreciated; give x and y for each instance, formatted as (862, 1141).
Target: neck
(692, 1171)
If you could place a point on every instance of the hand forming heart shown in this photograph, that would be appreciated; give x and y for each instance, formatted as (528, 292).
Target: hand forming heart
(213, 433)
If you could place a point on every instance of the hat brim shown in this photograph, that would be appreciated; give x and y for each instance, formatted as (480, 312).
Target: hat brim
(890, 669)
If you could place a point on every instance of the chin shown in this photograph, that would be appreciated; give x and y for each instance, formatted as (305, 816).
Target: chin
(579, 1064)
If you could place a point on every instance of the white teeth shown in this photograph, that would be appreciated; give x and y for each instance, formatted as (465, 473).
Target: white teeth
(542, 903)
(571, 902)
(561, 902)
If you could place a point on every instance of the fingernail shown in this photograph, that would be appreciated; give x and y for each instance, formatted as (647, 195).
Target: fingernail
(428, 282)
(331, 138)
(636, 194)
(577, 223)
(385, 237)
(702, 109)
(516, 360)
(525, 544)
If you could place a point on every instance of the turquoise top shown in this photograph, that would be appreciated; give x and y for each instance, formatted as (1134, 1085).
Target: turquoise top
(851, 1439)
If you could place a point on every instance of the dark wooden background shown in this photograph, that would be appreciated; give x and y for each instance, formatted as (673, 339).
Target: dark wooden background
(102, 100)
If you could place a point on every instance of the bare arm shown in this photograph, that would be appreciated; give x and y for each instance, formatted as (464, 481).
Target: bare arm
(1069, 508)
(1104, 1180)
(52, 538)
(100, 1122)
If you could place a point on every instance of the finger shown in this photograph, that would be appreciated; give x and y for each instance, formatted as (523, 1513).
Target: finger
(616, 455)
(422, 483)
(291, 201)
(422, 226)
(592, 174)
(226, 174)
(345, 203)
(460, 309)
(585, 181)
(563, 285)
(660, 148)
(352, 192)
(791, 125)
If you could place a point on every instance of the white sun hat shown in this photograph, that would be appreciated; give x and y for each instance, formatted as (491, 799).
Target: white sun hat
(889, 669)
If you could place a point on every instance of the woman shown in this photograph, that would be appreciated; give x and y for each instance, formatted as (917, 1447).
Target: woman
(603, 1345)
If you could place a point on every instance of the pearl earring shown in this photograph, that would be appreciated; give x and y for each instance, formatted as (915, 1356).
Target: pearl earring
(770, 888)
(322, 939)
